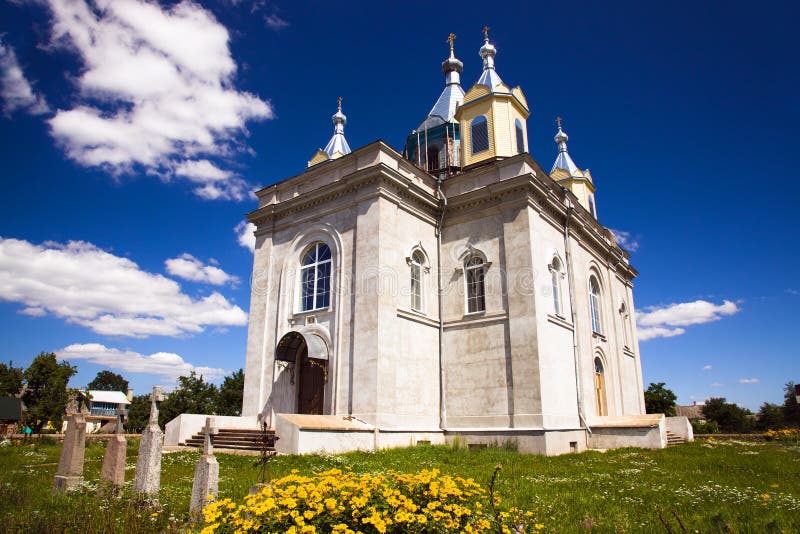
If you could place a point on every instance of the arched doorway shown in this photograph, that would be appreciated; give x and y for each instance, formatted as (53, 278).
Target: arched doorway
(600, 386)
(309, 355)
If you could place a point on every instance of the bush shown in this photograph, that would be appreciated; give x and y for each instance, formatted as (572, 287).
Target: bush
(705, 427)
(786, 434)
(342, 501)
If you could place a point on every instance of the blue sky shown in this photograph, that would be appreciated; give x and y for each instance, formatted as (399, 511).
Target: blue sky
(133, 133)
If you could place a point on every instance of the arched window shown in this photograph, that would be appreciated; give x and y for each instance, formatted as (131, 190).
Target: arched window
(315, 278)
(555, 280)
(594, 304)
(474, 269)
(600, 386)
(433, 158)
(479, 132)
(520, 137)
(625, 318)
(417, 268)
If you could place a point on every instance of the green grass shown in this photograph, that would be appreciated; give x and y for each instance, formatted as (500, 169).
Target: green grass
(712, 487)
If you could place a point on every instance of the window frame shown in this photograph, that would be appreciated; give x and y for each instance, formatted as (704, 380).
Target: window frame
(417, 266)
(484, 122)
(595, 307)
(556, 274)
(520, 136)
(316, 295)
(625, 315)
(475, 266)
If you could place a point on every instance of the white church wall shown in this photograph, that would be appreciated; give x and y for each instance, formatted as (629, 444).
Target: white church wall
(518, 240)
(555, 342)
(477, 353)
(410, 347)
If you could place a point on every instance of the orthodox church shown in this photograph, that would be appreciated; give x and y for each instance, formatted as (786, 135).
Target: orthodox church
(454, 290)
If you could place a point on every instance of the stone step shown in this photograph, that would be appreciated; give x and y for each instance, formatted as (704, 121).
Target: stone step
(235, 438)
(674, 439)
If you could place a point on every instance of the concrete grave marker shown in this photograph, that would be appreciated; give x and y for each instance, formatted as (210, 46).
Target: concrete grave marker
(206, 471)
(70, 467)
(113, 470)
(148, 465)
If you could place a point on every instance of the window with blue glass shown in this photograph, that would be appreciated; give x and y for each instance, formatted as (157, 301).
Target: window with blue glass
(315, 278)
(479, 131)
(520, 137)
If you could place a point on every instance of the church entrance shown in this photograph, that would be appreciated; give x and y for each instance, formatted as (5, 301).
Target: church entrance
(311, 384)
(308, 354)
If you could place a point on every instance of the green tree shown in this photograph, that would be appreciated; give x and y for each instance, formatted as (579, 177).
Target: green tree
(658, 399)
(770, 416)
(791, 410)
(229, 397)
(192, 395)
(138, 414)
(731, 418)
(10, 379)
(108, 381)
(46, 395)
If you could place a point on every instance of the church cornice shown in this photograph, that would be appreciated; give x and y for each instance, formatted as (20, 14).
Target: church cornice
(536, 189)
(377, 179)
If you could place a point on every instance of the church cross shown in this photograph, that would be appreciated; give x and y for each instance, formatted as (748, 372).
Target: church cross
(155, 398)
(120, 413)
(558, 121)
(450, 39)
(486, 33)
(208, 431)
(340, 103)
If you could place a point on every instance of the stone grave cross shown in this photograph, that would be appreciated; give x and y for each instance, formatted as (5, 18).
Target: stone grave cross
(113, 470)
(148, 465)
(120, 413)
(208, 431)
(206, 472)
(70, 467)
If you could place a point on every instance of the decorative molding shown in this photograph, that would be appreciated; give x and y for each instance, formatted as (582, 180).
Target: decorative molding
(560, 321)
(417, 317)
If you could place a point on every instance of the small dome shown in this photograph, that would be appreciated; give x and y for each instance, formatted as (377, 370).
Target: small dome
(560, 136)
(452, 64)
(488, 49)
(339, 118)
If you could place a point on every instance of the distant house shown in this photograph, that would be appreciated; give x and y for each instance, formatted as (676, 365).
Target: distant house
(100, 407)
(693, 412)
(11, 409)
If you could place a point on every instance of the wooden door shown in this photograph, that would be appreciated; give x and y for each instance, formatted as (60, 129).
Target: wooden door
(311, 396)
(599, 390)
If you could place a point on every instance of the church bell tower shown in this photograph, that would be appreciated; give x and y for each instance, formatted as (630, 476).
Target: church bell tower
(492, 117)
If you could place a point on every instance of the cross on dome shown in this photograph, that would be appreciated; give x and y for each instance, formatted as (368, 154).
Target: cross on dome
(489, 76)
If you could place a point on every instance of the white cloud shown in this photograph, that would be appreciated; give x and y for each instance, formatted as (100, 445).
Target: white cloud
(661, 321)
(165, 364)
(651, 332)
(707, 367)
(244, 230)
(156, 91)
(749, 380)
(15, 89)
(274, 22)
(108, 294)
(625, 240)
(214, 183)
(188, 267)
(717, 384)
